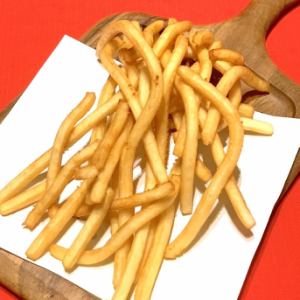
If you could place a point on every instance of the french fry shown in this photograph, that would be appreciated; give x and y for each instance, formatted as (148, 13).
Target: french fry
(189, 156)
(23, 200)
(95, 256)
(57, 224)
(228, 55)
(58, 185)
(246, 110)
(144, 118)
(87, 232)
(152, 29)
(187, 236)
(257, 126)
(36, 167)
(102, 152)
(158, 193)
(63, 135)
(106, 94)
(224, 86)
(100, 186)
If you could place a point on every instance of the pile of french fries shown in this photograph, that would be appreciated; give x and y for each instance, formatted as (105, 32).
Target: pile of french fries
(161, 90)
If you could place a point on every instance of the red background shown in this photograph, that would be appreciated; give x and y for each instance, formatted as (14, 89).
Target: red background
(29, 31)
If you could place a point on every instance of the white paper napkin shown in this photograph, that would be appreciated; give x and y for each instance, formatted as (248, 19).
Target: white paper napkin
(216, 266)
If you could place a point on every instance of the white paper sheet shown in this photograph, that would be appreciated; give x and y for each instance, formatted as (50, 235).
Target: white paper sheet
(217, 265)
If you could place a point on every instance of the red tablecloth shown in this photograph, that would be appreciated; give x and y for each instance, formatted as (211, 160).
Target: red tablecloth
(29, 31)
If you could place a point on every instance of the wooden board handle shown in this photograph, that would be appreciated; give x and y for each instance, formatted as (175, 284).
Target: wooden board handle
(262, 14)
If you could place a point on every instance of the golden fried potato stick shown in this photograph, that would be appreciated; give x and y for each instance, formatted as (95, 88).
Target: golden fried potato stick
(84, 210)
(63, 135)
(257, 126)
(174, 60)
(201, 171)
(114, 227)
(111, 135)
(85, 172)
(161, 238)
(224, 171)
(152, 29)
(23, 200)
(95, 256)
(100, 186)
(62, 179)
(232, 190)
(145, 117)
(58, 223)
(222, 66)
(215, 45)
(201, 38)
(180, 140)
(126, 189)
(107, 92)
(137, 25)
(228, 55)
(158, 193)
(189, 155)
(133, 262)
(246, 110)
(132, 258)
(144, 87)
(172, 21)
(224, 86)
(199, 41)
(88, 231)
(205, 63)
(152, 227)
(126, 185)
(177, 119)
(35, 168)
(168, 36)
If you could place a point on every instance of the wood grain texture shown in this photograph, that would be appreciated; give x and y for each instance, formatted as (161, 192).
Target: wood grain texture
(245, 33)
(33, 282)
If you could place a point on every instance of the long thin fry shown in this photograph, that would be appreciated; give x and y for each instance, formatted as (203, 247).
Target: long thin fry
(224, 86)
(95, 256)
(157, 193)
(189, 156)
(57, 224)
(228, 55)
(111, 135)
(186, 237)
(231, 188)
(162, 235)
(23, 200)
(35, 168)
(58, 185)
(180, 140)
(246, 110)
(106, 93)
(87, 232)
(169, 35)
(152, 29)
(100, 186)
(63, 135)
(86, 172)
(257, 126)
(144, 118)
(169, 74)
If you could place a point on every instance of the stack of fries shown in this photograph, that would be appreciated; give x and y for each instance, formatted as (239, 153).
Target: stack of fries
(172, 83)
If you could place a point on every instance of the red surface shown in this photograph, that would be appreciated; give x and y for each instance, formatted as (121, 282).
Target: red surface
(29, 31)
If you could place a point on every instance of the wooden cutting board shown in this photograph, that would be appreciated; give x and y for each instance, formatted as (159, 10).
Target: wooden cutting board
(245, 33)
